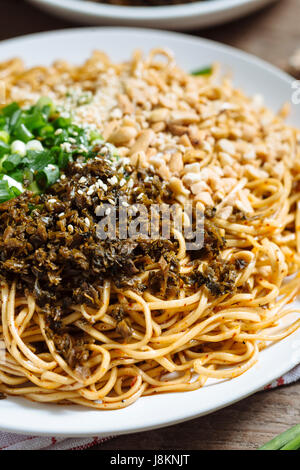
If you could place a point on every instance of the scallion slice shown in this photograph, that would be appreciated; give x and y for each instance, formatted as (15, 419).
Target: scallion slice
(48, 176)
(288, 440)
(203, 71)
(11, 162)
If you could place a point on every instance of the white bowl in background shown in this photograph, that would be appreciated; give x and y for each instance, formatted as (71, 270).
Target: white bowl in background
(186, 16)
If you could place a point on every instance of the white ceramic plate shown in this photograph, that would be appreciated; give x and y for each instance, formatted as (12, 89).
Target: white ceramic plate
(254, 76)
(180, 17)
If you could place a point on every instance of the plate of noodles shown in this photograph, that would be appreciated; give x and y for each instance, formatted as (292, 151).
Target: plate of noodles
(149, 229)
(171, 14)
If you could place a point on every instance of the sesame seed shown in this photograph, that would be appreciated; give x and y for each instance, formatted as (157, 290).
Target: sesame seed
(113, 181)
(66, 146)
(50, 167)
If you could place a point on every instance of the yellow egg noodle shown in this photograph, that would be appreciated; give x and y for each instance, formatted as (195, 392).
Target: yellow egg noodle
(214, 146)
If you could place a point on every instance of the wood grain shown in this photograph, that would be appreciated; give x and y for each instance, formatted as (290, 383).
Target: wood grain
(245, 425)
(272, 34)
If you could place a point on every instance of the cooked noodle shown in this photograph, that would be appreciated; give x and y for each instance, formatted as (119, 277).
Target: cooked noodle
(176, 344)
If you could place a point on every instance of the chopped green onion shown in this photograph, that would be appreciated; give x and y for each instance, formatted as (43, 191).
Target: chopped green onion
(34, 121)
(15, 191)
(36, 143)
(22, 133)
(17, 175)
(15, 118)
(9, 188)
(34, 187)
(5, 193)
(4, 148)
(19, 147)
(63, 159)
(11, 162)
(38, 160)
(48, 176)
(204, 71)
(62, 122)
(27, 176)
(13, 183)
(10, 109)
(94, 135)
(4, 137)
(46, 130)
(46, 102)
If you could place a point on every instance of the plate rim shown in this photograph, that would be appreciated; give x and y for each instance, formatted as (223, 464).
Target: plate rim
(161, 13)
(241, 54)
(31, 428)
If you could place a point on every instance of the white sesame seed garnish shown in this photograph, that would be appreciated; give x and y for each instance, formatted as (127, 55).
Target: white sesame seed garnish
(83, 179)
(87, 221)
(113, 181)
(97, 210)
(102, 185)
(50, 167)
(83, 149)
(90, 191)
(66, 146)
(116, 113)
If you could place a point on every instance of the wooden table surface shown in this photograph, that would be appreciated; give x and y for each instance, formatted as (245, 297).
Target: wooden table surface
(272, 34)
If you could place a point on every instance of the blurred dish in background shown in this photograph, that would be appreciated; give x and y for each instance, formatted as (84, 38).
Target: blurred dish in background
(145, 3)
(186, 15)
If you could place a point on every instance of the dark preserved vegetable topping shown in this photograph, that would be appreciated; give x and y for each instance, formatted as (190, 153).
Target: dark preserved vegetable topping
(50, 247)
